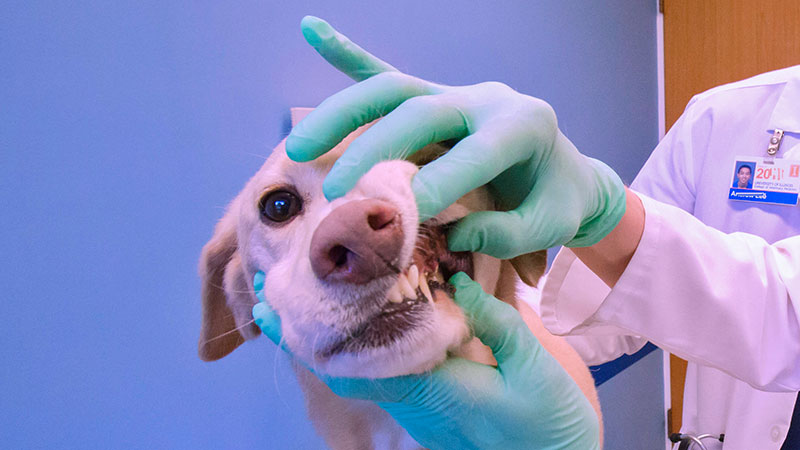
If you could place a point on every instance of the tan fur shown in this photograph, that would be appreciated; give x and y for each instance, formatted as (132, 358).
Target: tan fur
(347, 423)
(216, 338)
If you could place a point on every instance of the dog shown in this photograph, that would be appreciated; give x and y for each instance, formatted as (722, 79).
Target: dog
(358, 283)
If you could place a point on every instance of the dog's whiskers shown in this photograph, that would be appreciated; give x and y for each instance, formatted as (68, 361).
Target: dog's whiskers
(235, 330)
(260, 156)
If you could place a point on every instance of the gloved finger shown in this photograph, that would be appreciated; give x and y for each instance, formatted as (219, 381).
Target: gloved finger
(413, 124)
(350, 108)
(340, 51)
(473, 162)
(508, 234)
(265, 317)
(258, 285)
(595, 228)
(454, 377)
(496, 324)
(547, 216)
(269, 322)
(393, 390)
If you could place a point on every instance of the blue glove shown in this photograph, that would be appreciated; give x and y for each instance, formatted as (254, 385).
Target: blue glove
(511, 141)
(527, 402)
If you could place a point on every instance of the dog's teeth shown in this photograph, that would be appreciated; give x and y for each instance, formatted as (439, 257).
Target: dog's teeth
(413, 276)
(405, 287)
(394, 294)
(423, 286)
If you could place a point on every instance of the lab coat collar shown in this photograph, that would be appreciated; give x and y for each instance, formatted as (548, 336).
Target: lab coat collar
(786, 114)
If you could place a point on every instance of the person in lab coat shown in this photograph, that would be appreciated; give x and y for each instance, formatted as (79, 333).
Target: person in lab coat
(716, 299)
(691, 169)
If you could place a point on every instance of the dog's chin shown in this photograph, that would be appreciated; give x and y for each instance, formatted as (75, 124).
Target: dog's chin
(416, 324)
(414, 347)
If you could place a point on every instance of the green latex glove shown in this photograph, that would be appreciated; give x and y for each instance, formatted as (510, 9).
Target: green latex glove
(556, 196)
(527, 402)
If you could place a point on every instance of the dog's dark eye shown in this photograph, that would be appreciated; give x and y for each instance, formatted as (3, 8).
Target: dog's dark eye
(279, 206)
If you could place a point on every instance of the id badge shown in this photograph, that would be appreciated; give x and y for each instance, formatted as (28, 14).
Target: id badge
(756, 180)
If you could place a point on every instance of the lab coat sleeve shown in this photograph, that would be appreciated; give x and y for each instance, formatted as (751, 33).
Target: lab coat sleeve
(717, 299)
(593, 349)
(596, 350)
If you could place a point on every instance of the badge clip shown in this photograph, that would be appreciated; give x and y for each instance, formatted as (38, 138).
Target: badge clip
(774, 145)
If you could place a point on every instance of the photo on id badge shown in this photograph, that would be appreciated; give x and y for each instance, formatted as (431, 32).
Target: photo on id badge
(743, 174)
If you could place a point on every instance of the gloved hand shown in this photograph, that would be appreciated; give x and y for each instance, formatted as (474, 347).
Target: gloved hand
(527, 402)
(511, 141)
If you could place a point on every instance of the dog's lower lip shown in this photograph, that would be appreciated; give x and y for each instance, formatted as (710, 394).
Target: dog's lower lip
(383, 328)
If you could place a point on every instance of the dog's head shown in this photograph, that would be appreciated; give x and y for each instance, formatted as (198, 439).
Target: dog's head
(359, 284)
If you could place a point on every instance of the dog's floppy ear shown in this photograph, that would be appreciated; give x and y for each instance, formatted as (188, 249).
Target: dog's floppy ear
(222, 276)
(530, 266)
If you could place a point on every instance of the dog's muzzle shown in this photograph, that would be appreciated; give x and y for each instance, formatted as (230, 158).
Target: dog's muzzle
(361, 241)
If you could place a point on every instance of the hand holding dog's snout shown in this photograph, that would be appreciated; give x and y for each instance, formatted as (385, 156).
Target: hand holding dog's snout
(556, 195)
(463, 404)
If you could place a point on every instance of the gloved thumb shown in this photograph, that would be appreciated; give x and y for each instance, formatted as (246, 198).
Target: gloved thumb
(265, 317)
(495, 323)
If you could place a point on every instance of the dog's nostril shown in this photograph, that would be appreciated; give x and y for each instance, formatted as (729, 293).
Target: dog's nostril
(381, 219)
(338, 255)
(356, 241)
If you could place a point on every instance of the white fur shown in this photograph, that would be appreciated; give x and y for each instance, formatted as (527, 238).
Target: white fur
(314, 313)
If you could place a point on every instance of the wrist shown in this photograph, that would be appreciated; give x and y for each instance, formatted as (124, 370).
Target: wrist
(609, 257)
(607, 207)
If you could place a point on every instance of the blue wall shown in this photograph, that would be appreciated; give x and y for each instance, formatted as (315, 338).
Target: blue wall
(125, 128)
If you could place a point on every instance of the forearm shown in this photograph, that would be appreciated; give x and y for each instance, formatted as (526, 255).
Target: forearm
(686, 278)
(609, 257)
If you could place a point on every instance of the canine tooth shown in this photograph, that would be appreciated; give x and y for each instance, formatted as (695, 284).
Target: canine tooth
(423, 286)
(394, 294)
(405, 287)
(413, 276)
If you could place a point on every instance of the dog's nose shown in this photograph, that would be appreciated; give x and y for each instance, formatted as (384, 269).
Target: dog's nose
(358, 242)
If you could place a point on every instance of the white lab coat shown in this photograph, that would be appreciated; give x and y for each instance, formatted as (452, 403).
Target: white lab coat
(730, 301)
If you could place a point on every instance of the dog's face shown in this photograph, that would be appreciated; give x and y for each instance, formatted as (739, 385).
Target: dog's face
(358, 283)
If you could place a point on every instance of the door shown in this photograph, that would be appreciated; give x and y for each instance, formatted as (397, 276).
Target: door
(712, 42)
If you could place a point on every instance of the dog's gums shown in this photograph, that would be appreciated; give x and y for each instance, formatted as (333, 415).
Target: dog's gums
(431, 254)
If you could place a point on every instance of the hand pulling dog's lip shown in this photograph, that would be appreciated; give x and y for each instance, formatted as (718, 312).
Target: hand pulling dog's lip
(411, 296)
